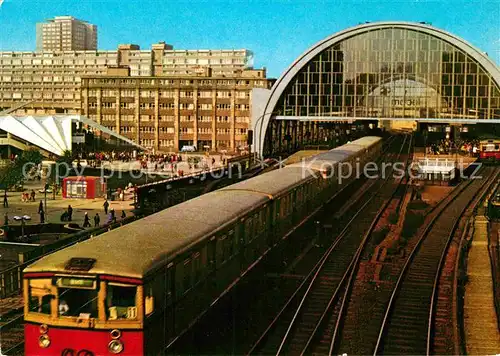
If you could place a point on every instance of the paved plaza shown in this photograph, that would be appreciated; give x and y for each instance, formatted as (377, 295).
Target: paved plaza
(205, 162)
(55, 208)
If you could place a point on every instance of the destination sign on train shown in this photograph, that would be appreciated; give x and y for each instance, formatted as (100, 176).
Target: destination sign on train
(76, 282)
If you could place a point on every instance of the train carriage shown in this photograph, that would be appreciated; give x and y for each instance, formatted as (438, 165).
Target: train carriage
(489, 150)
(151, 279)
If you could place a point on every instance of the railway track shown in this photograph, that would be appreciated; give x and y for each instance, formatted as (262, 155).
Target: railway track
(234, 323)
(408, 322)
(12, 334)
(311, 315)
(444, 315)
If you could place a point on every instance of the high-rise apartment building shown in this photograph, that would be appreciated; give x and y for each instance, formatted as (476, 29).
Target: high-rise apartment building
(51, 79)
(65, 33)
(166, 113)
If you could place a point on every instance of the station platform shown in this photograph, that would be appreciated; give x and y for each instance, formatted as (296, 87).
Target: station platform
(480, 319)
(440, 169)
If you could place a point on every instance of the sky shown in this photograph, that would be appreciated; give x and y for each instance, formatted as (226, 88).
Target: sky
(277, 31)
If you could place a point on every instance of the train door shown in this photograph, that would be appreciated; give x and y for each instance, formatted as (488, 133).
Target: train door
(212, 266)
(278, 221)
(169, 296)
(240, 243)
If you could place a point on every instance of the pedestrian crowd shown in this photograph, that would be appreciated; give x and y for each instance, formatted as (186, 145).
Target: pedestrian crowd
(446, 146)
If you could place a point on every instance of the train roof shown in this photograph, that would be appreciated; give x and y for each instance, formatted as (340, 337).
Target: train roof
(340, 154)
(139, 247)
(273, 183)
(366, 141)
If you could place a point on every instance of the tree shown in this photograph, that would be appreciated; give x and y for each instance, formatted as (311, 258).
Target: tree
(66, 161)
(16, 171)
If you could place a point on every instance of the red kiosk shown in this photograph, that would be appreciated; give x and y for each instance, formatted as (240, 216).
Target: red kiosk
(83, 187)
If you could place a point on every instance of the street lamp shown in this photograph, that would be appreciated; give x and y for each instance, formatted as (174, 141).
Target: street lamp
(22, 219)
(46, 186)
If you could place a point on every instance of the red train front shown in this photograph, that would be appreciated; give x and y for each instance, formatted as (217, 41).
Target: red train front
(82, 315)
(489, 150)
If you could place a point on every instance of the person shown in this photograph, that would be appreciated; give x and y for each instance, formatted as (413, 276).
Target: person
(70, 212)
(86, 220)
(112, 215)
(5, 201)
(42, 217)
(97, 220)
(64, 216)
(106, 205)
(123, 214)
(40, 207)
(33, 194)
(63, 307)
(122, 195)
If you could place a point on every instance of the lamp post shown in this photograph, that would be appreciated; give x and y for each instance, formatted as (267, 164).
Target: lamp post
(46, 186)
(22, 219)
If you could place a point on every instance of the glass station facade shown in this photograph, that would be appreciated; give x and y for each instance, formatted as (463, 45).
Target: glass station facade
(392, 73)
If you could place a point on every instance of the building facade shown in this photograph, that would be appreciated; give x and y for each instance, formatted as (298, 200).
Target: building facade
(165, 113)
(65, 33)
(50, 81)
(390, 71)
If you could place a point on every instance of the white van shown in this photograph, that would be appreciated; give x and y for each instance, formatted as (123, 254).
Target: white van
(188, 149)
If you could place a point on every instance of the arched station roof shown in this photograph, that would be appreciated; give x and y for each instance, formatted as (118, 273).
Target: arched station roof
(300, 65)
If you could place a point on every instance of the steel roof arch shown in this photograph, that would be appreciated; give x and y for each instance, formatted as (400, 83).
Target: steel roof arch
(284, 80)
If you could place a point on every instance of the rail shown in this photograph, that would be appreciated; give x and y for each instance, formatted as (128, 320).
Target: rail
(441, 264)
(344, 304)
(11, 278)
(311, 278)
(18, 342)
(403, 274)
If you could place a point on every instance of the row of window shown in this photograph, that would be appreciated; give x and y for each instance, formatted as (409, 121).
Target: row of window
(182, 130)
(187, 82)
(182, 118)
(182, 106)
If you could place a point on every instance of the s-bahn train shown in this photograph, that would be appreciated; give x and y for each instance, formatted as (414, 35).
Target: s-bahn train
(134, 290)
(489, 149)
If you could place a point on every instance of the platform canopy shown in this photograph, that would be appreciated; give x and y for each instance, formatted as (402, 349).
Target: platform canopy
(51, 133)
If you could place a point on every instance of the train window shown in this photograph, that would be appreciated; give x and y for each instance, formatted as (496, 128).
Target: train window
(121, 302)
(149, 301)
(40, 295)
(221, 253)
(197, 266)
(248, 230)
(186, 282)
(231, 243)
(77, 302)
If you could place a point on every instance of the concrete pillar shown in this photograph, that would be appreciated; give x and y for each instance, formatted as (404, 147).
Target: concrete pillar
(214, 119)
(99, 103)
(232, 120)
(157, 120)
(85, 102)
(176, 119)
(195, 124)
(117, 113)
(137, 116)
